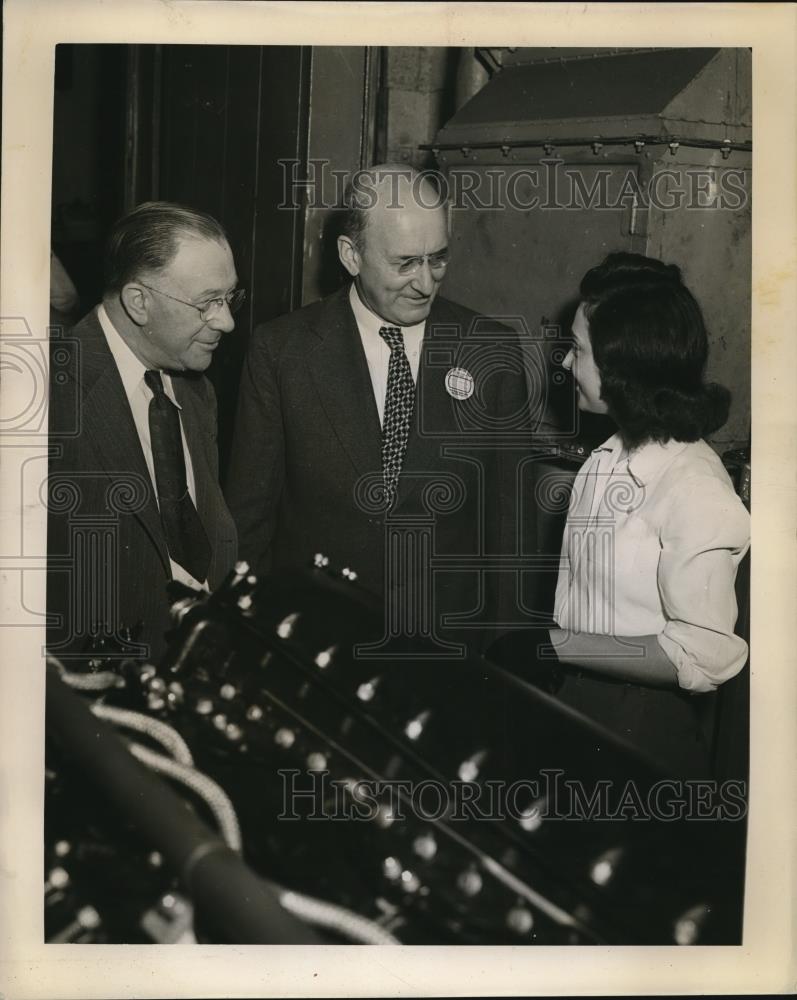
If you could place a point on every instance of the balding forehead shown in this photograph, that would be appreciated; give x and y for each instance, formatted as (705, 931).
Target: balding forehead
(394, 188)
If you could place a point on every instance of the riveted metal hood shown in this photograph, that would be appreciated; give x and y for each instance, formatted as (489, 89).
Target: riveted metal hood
(694, 96)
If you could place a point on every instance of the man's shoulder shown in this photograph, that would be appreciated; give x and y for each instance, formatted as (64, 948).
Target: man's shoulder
(316, 315)
(470, 321)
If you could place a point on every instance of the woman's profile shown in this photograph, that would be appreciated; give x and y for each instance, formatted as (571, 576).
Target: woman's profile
(645, 600)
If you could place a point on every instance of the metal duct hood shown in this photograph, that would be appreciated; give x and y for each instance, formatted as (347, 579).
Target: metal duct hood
(695, 97)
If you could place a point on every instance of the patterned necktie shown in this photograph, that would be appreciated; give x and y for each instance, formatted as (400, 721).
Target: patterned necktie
(399, 403)
(186, 540)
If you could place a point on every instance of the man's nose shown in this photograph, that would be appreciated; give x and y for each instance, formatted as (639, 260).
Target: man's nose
(222, 321)
(567, 364)
(423, 280)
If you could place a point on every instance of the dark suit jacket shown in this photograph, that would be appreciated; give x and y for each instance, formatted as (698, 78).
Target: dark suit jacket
(107, 560)
(306, 461)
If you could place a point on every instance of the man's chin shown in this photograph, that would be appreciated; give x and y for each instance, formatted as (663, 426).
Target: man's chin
(413, 313)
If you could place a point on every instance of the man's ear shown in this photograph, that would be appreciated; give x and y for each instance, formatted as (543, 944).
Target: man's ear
(349, 255)
(135, 302)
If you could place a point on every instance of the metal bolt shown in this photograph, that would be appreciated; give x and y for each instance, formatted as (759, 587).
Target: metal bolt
(324, 658)
(287, 625)
(316, 761)
(519, 920)
(690, 924)
(410, 881)
(425, 846)
(414, 728)
(391, 868)
(531, 817)
(57, 879)
(604, 867)
(470, 882)
(366, 691)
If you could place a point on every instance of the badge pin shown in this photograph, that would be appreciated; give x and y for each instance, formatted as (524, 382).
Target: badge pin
(459, 383)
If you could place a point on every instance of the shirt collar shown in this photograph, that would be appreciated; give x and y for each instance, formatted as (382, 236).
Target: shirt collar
(131, 369)
(369, 322)
(647, 461)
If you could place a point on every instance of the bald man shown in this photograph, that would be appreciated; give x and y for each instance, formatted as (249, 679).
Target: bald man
(366, 428)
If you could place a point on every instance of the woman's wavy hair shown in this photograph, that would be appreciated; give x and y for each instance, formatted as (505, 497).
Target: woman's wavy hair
(650, 345)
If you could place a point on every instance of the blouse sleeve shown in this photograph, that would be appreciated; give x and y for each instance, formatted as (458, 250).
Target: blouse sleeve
(703, 539)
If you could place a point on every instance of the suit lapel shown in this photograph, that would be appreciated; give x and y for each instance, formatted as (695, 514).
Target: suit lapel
(433, 419)
(340, 374)
(109, 423)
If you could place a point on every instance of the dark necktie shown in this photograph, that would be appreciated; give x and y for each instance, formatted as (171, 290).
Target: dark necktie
(399, 403)
(185, 537)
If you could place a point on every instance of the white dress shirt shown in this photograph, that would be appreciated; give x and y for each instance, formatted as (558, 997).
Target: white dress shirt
(139, 395)
(651, 547)
(377, 353)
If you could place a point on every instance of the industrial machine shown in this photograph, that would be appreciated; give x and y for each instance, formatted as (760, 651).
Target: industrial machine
(331, 793)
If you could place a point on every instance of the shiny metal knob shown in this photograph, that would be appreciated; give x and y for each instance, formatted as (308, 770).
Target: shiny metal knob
(469, 769)
(287, 625)
(324, 658)
(367, 690)
(519, 920)
(391, 869)
(414, 728)
(410, 881)
(689, 926)
(603, 868)
(425, 846)
(285, 738)
(58, 878)
(470, 882)
(531, 817)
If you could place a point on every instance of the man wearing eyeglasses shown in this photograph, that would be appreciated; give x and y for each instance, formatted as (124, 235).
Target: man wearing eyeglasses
(138, 466)
(364, 421)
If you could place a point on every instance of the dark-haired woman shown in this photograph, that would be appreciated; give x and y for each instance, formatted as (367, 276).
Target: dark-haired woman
(645, 598)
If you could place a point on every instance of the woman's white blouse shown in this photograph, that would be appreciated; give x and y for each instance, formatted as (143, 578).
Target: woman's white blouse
(651, 547)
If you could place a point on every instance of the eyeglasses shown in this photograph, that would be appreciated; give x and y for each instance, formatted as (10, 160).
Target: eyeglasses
(438, 262)
(208, 310)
